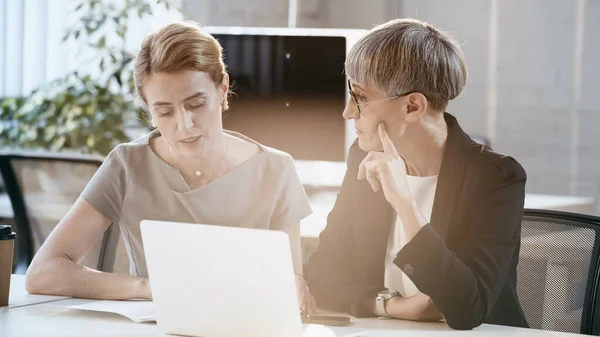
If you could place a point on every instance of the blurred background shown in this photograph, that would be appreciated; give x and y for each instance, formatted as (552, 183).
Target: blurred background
(66, 90)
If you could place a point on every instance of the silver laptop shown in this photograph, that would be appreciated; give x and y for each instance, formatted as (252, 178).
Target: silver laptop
(216, 281)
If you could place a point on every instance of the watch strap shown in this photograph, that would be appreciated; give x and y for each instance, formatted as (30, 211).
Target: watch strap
(380, 306)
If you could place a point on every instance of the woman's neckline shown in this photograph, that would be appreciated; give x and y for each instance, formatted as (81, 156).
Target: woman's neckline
(156, 133)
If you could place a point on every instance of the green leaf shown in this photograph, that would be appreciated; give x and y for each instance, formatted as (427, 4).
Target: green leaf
(91, 141)
(59, 143)
(117, 76)
(90, 109)
(121, 32)
(11, 103)
(49, 133)
(21, 113)
(14, 133)
(30, 134)
(102, 42)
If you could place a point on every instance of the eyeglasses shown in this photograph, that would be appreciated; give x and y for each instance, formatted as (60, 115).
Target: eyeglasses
(375, 101)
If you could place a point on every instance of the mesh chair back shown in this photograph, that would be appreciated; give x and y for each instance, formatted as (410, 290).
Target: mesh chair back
(557, 273)
(49, 187)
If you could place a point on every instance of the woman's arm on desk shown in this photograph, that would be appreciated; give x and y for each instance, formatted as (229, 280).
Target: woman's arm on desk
(56, 269)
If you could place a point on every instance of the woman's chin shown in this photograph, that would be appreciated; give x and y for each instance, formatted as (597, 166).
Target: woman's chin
(365, 144)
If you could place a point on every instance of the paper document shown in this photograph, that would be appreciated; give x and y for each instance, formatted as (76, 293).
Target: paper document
(137, 311)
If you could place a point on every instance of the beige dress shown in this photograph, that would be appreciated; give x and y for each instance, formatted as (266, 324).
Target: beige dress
(134, 184)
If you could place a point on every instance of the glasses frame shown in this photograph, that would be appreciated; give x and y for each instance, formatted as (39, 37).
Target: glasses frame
(370, 102)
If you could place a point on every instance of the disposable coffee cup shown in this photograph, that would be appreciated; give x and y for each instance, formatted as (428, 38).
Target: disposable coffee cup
(7, 246)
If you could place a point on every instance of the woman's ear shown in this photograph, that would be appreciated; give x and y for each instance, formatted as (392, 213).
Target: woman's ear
(225, 84)
(416, 106)
(224, 92)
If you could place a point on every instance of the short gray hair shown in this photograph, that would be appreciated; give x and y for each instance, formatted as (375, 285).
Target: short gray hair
(406, 55)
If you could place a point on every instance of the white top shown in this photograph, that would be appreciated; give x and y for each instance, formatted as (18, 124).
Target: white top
(423, 191)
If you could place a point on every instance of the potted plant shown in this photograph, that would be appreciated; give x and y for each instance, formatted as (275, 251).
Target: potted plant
(81, 112)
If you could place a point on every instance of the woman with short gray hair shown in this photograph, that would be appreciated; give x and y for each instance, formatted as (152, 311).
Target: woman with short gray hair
(427, 223)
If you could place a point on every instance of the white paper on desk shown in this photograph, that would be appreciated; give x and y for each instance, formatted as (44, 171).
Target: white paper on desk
(137, 311)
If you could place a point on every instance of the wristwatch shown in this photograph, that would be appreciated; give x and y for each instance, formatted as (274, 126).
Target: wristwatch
(383, 296)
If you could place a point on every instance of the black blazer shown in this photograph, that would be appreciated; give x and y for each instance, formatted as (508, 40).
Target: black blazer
(465, 259)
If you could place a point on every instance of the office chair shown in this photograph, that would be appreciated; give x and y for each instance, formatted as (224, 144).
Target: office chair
(558, 271)
(42, 187)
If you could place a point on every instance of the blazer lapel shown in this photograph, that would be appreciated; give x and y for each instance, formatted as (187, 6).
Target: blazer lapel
(456, 153)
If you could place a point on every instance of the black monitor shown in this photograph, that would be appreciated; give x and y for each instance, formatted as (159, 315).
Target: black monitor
(289, 89)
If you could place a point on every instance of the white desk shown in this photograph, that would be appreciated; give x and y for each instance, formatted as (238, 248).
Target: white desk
(18, 297)
(48, 318)
(565, 203)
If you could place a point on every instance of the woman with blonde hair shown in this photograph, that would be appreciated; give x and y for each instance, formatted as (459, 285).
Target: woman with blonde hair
(427, 224)
(188, 169)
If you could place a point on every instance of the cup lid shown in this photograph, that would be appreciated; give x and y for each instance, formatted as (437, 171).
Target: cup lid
(6, 233)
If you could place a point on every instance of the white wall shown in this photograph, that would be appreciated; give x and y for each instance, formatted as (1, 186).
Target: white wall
(31, 49)
(30, 33)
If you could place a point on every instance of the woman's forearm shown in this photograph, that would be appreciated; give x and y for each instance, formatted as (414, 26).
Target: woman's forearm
(416, 308)
(63, 277)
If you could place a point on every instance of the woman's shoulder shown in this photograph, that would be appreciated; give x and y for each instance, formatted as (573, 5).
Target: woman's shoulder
(273, 159)
(494, 166)
(133, 152)
(277, 155)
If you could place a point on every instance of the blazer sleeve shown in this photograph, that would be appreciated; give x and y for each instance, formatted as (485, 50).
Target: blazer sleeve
(464, 284)
(331, 274)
